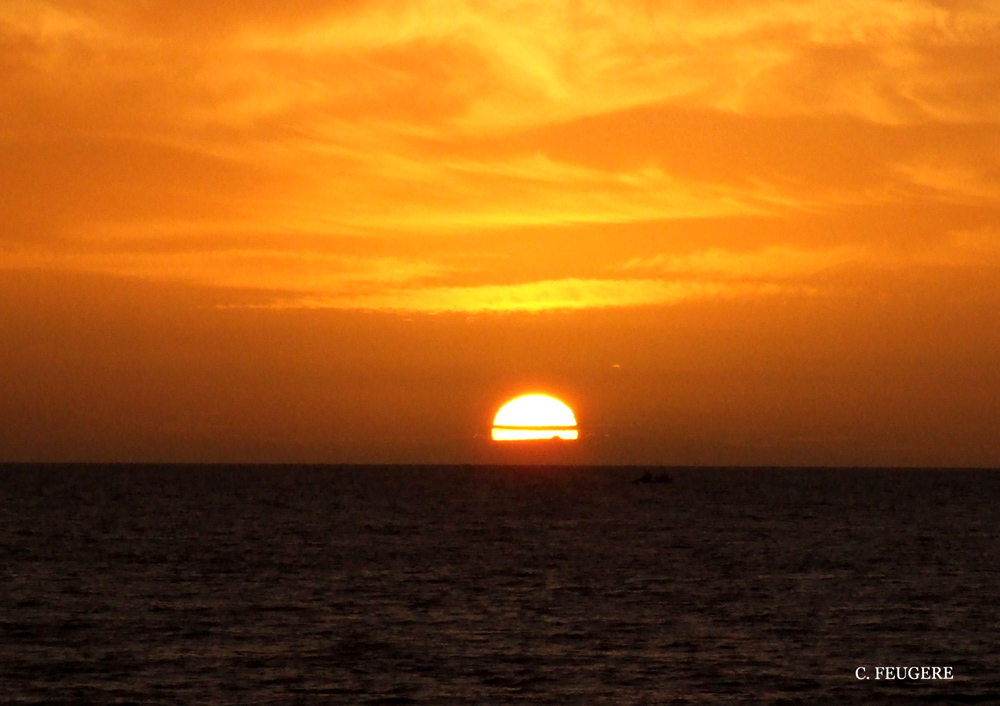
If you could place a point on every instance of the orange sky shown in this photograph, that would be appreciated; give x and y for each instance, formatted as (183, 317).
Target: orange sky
(723, 232)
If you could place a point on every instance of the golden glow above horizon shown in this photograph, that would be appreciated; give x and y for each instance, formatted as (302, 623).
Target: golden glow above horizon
(534, 417)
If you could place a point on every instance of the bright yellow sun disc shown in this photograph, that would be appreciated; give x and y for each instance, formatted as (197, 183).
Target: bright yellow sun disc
(534, 417)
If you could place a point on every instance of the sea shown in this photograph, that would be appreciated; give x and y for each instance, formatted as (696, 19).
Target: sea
(193, 584)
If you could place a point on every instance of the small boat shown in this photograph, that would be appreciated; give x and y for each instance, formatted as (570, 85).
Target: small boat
(648, 477)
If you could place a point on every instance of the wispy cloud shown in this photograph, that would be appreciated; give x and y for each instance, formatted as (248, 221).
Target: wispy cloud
(551, 295)
(785, 263)
(975, 179)
(421, 120)
(772, 262)
(269, 271)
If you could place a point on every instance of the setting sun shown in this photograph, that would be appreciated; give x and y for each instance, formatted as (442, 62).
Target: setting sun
(534, 417)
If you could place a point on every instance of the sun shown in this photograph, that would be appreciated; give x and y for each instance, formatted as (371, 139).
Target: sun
(534, 417)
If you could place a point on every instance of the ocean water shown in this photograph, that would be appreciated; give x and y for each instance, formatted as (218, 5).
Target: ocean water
(495, 585)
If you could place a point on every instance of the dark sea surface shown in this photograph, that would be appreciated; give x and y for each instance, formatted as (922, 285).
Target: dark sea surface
(495, 585)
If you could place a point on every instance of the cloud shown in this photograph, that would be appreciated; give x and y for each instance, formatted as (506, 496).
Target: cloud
(271, 271)
(536, 190)
(772, 262)
(973, 179)
(480, 67)
(123, 125)
(786, 263)
(569, 294)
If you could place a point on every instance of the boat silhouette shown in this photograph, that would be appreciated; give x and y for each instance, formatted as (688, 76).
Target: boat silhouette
(648, 477)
